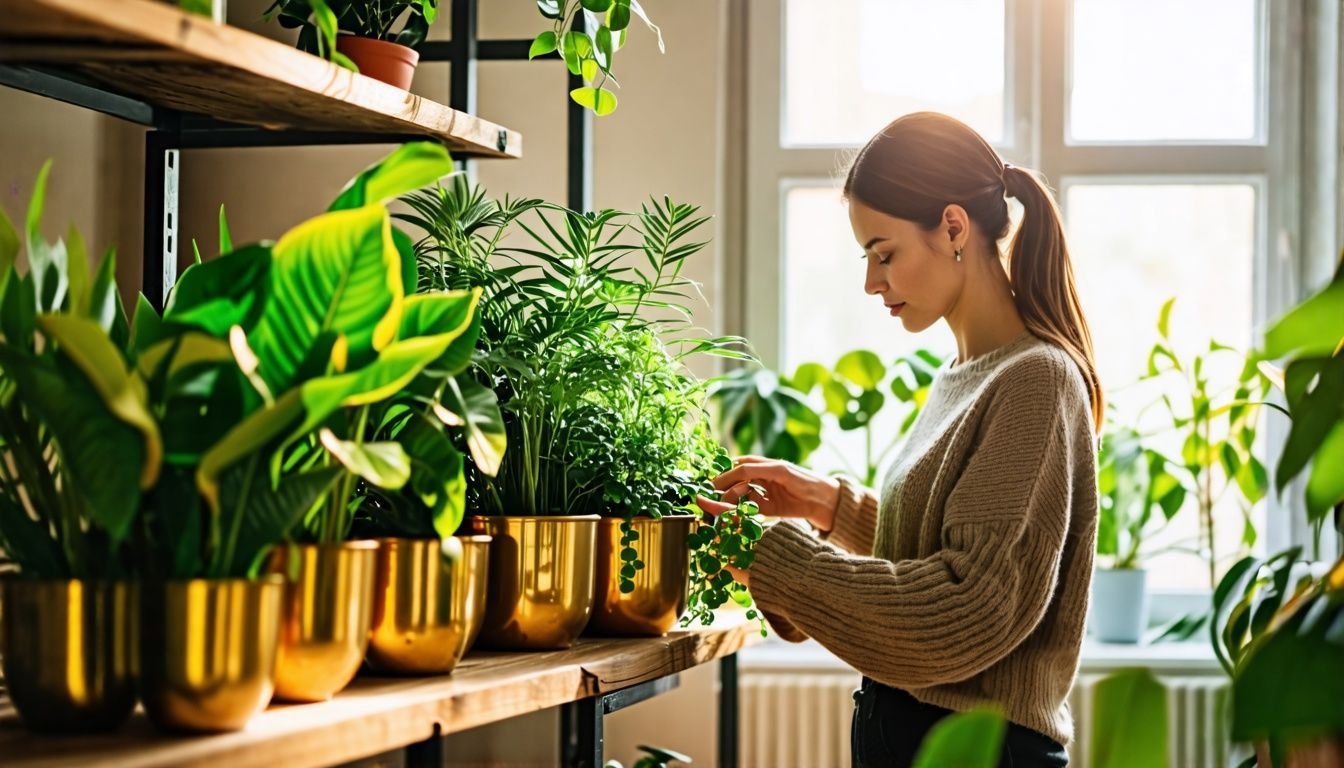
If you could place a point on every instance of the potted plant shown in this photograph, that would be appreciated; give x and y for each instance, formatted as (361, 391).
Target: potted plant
(1277, 621)
(371, 43)
(215, 10)
(77, 449)
(1139, 495)
(587, 34)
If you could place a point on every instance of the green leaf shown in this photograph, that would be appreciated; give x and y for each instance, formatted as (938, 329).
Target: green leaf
(589, 68)
(453, 314)
(604, 47)
(618, 17)
(1325, 485)
(861, 367)
(543, 44)
(436, 473)
(1314, 412)
(384, 465)
(246, 439)
(1129, 723)
(35, 204)
(105, 298)
(600, 100)
(569, 50)
(808, 376)
(225, 239)
(475, 409)
(972, 739)
(29, 543)
(77, 272)
(1313, 328)
(1164, 318)
(9, 243)
(596, 6)
(18, 311)
(218, 294)
(408, 168)
(551, 9)
(337, 273)
(264, 514)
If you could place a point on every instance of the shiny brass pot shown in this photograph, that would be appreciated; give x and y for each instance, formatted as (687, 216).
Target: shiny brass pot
(324, 625)
(540, 591)
(660, 587)
(69, 652)
(428, 603)
(207, 651)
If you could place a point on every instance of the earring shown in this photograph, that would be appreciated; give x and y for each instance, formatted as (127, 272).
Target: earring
(957, 253)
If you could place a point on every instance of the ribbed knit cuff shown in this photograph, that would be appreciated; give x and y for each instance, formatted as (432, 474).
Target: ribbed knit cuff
(777, 573)
(855, 521)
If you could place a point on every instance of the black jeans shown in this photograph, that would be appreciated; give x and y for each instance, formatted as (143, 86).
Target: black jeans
(889, 725)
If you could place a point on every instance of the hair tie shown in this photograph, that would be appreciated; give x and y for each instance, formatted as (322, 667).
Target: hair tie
(1003, 177)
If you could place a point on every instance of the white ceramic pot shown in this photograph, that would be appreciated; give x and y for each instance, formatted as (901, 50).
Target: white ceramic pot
(1119, 612)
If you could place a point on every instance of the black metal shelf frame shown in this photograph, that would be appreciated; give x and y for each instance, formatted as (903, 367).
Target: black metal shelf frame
(172, 131)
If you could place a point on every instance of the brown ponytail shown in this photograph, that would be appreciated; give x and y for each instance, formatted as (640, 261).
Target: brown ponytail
(925, 161)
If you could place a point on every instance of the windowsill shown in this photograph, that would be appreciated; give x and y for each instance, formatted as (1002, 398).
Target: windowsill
(1195, 657)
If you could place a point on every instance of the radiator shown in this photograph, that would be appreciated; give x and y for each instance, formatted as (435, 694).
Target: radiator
(793, 719)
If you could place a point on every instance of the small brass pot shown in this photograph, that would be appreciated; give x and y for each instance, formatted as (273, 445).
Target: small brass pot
(69, 652)
(428, 603)
(207, 651)
(540, 591)
(324, 624)
(660, 587)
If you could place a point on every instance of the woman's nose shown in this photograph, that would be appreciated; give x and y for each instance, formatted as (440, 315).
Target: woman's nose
(874, 283)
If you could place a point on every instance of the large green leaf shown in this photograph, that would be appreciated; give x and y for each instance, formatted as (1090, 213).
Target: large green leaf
(1315, 391)
(122, 394)
(77, 272)
(218, 294)
(1314, 327)
(474, 408)
(103, 455)
(262, 514)
(436, 473)
(409, 167)
(340, 273)
(1325, 485)
(246, 439)
(861, 367)
(1129, 722)
(385, 464)
(445, 313)
(9, 243)
(972, 739)
(18, 311)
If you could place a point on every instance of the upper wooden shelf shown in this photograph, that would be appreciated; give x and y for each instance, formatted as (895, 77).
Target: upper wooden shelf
(379, 714)
(168, 58)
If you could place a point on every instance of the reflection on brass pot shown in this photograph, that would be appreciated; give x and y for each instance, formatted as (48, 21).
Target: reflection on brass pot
(69, 651)
(428, 603)
(659, 596)
(324, 625)
(207, 651)
(540, 591)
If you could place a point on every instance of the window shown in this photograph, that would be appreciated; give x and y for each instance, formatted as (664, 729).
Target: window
(1164, 177)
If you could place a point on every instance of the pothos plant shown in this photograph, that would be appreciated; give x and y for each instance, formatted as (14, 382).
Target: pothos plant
(587, 34)
(320, 21)
(1138, 493)
(78, 446)
(601, 415)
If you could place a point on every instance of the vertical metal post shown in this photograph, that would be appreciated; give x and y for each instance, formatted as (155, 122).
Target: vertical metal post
(580, 149)
(428, 753)
(462, 95)
(581, 733)
(161, 224)
(728, 712)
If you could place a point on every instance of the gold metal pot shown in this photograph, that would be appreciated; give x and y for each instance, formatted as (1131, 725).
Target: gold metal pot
(69, 652)
(540, 591)
(324, 626)
(661, 586)
(207, 651)
(428, 603)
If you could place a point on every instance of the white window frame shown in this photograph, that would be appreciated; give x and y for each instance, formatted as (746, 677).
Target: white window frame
(1036, 102)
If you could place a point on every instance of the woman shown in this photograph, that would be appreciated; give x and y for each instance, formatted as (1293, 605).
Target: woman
(966, 581)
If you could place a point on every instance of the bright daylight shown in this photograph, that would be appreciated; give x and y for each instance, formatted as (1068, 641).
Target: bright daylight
(665, 383)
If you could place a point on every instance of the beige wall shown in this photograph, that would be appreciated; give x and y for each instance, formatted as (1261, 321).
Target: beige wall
(664, 139)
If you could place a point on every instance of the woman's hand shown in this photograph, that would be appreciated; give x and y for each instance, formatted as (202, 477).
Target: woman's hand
(788, 490)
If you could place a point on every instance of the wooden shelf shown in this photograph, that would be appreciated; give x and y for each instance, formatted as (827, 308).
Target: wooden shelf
(378, 714)
(168, 58)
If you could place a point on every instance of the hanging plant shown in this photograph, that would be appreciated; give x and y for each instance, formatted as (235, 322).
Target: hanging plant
(587, 34)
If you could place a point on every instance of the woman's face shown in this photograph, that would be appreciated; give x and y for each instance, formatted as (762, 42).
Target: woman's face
(914, 272)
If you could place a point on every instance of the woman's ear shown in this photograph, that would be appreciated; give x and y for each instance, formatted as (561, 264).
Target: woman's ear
(957, 225)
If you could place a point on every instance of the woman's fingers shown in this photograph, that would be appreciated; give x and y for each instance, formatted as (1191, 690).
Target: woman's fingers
(743, 490)
(712, 507)
(748, 472)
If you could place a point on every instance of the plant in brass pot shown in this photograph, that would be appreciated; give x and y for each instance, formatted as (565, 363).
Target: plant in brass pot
(1277, 626)
(373, 41)
(566, 345)
(78, 447)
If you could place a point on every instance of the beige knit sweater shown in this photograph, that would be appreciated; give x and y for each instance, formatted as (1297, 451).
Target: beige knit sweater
(968, 582)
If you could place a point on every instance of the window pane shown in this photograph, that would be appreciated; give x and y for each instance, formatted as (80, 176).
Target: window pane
(826, 313)
(1135, 246)
(852, 66)
(1164, 70)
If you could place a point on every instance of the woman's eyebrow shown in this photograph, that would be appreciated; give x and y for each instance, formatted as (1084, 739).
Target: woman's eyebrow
(874, 241)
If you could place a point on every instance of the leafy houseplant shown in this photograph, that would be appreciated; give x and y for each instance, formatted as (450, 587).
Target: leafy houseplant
(601, 417)
(77, 449)
(1277, 621)
(587, 34)
(372, 45)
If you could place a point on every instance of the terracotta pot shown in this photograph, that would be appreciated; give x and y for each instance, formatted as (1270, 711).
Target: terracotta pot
(391, 63)
(1325, 753)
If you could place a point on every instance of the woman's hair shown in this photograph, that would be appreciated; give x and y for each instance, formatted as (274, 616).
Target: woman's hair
(923, 162)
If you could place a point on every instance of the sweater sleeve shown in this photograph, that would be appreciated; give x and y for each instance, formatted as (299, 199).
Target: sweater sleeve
(949, 616)
(855, 521)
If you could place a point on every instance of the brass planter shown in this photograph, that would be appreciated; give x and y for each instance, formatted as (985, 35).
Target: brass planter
(324, 625)
(427, 606)
(661, 586)
(540, 591)
(69, 652)
(207, 651)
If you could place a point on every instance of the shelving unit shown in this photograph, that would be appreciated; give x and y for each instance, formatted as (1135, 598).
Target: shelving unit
(200, 85)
